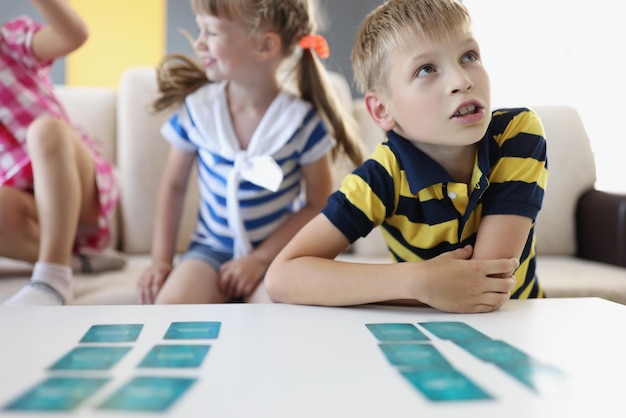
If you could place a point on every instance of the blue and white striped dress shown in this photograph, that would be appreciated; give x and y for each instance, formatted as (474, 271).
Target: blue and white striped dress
(246, 194)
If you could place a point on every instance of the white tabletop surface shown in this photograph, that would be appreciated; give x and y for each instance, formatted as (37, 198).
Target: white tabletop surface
(302, 361)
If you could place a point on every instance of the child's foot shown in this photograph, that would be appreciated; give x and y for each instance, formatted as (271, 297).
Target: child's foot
(91, 261)
(50, 284)
(36, 293)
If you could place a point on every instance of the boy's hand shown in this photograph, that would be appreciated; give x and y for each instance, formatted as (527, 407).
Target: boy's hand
(151, 281)
(239, 277)
(455, 283)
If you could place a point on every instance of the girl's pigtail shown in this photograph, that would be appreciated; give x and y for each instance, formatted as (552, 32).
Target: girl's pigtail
(315, 87)
(177, 77)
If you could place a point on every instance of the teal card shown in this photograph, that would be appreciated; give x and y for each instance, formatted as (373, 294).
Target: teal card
(396, 332)
(445, 385)
(57, 394)
(176, 356)
(115, 333)
(192, 330)
(536, 376)
(416, 356)
(151, 394)
(495, 351)
(91, 358)
(455, 331)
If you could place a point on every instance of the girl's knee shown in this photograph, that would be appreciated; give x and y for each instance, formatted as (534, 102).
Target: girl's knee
(47, 134)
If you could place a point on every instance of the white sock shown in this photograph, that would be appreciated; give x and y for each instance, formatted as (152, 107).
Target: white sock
(50, 284)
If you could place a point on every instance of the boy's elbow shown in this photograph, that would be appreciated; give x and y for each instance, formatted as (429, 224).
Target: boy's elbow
(275, 284)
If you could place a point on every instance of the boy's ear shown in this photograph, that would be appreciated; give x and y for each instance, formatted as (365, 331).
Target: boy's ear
(270, 45)
(378, 111)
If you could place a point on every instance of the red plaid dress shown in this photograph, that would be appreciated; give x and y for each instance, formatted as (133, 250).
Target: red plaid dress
(26, 93)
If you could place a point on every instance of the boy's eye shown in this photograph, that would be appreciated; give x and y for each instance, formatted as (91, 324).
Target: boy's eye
(470, 57)
(425, 70)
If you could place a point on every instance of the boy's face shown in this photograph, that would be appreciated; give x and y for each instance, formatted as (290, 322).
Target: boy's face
(438, 93)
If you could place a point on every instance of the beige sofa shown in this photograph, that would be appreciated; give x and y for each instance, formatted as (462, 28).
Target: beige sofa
(131, 139)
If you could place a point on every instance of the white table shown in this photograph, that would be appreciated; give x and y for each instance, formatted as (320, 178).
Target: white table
(301, 361)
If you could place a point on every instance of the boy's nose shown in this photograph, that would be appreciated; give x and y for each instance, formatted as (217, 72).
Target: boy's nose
(460, 82)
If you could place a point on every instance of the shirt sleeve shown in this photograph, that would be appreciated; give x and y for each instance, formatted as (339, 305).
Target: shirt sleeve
(177, 130)
(366, 198)
(519, 177)
(16, 36)
(318, 143)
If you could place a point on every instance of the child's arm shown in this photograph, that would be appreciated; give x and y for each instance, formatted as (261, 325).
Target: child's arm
(63, 33)
(305, 272)
(501, 236)
(169, 208)
(240, 277)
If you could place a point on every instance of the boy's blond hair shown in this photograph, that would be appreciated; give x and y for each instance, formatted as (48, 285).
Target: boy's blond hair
(392, 26)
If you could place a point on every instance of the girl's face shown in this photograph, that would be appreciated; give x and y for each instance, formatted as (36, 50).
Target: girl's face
(225, 48)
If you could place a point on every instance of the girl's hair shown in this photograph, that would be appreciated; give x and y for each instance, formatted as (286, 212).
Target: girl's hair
(179, 75)
(394, 25)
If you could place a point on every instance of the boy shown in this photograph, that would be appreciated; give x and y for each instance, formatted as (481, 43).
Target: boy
(455, 188)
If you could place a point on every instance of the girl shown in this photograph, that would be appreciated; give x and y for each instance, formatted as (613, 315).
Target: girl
(255, 144)
(56, 190)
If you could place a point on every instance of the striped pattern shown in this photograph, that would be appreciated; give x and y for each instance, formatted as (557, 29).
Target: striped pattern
(261, 210)
(408, 194)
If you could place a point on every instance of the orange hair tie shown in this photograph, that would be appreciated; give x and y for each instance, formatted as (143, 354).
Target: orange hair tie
(316, 42)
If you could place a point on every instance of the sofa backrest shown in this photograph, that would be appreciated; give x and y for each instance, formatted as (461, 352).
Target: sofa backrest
(572, 172)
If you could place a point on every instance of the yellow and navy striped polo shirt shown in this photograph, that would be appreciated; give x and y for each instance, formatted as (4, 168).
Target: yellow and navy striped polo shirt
(424, 212)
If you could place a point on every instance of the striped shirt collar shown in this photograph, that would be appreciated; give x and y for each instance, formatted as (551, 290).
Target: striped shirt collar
(421, 170)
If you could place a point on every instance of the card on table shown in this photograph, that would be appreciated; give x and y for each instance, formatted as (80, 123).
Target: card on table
(90, 358)
(416, 356)
(177, 356)
(445, 385)
(536, 376)
(143, 393)
(57, 394)
(192, 330)
(113, 333)
(396, 332)
(495, 351)
(455, 331)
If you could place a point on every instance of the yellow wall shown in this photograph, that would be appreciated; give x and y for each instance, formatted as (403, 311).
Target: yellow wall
(123, 33)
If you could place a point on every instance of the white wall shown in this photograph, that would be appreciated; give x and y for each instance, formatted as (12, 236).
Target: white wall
(562, 52)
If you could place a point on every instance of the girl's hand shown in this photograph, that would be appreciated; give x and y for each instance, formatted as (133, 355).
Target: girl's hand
(151, 281)
(239, 277)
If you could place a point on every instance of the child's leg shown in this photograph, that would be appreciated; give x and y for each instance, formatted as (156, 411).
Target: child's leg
(259, 295)
(19, 226)
(65, 196)
(191, 281)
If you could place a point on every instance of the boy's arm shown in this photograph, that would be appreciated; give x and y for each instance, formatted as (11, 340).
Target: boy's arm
(63, 32)
(305, 272)
(501, 236)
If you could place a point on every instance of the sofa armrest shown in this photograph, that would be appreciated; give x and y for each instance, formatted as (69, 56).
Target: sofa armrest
(601, 227)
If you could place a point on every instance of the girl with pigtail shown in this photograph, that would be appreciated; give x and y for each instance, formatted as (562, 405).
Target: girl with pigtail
(263, 154)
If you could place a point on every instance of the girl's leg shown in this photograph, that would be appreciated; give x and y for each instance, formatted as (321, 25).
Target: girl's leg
(19, 225)
(65, 196)
(65, 187)
(192, 281)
